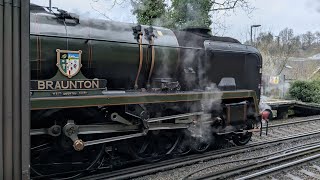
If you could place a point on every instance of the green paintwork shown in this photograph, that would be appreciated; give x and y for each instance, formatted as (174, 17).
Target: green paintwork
(110, 52)
(134, 98)
(115, 61)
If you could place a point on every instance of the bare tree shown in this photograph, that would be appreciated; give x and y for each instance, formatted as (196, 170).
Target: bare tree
(215, 6)
(103, 13)
(308, 39)
(286, 50)
(286, 35)
(276, 52)
(224, 5)
(317, 34)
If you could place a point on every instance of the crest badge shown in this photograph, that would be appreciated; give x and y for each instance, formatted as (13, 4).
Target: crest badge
(69, 62)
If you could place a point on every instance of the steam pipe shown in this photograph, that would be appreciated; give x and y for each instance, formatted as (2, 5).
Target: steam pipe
(140, 61)
(152, 60)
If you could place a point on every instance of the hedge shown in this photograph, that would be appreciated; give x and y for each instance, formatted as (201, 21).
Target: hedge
(305, 91)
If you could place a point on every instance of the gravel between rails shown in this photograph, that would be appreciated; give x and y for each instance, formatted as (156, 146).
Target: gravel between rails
(276, 132)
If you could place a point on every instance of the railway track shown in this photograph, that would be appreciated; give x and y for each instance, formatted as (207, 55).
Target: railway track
(290, 158)
(276, 130)
(304, 168)
(294, 122)
(192, 159)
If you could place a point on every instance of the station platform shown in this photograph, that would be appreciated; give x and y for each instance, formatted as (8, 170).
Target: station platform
(283, 108)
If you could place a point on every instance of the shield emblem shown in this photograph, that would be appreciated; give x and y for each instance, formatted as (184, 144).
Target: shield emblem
(69, 62)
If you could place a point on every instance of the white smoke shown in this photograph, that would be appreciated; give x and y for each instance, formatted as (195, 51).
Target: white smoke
(263, 105)
(211, 101)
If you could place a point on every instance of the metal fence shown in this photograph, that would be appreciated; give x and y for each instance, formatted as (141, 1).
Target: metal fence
(14, 89)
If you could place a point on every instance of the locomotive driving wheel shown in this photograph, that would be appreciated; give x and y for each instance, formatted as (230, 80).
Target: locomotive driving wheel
(184, 146)
(201, 144)
(243, 139)
(154, 146)
(54, 156)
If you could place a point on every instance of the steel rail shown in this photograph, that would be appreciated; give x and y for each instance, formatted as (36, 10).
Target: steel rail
(281, 167)
(269, 155)
(192, 159)
(231, 172)
(294, 122)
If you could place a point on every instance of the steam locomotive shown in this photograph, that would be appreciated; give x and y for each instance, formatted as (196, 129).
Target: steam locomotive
(103, 91)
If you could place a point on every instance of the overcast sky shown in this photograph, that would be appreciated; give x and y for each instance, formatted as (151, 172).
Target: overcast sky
(273, 15)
